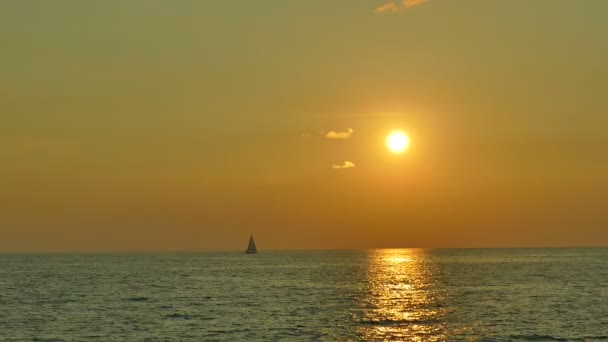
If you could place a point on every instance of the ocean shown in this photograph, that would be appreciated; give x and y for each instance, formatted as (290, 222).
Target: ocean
(390, 294)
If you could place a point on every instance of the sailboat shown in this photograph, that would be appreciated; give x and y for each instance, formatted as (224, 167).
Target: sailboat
(251, 247)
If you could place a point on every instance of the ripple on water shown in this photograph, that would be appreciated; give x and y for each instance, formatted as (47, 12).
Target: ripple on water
(138, 299)
(178, 316)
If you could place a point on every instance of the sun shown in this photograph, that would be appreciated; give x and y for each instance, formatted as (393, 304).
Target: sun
(397, 142)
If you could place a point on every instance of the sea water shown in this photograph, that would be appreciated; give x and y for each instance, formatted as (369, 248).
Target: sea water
(395, 294)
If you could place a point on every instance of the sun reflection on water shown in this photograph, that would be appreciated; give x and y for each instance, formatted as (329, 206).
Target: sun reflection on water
(403, 299)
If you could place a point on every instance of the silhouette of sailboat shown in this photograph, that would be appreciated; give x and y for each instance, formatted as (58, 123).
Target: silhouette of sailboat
(251, 247)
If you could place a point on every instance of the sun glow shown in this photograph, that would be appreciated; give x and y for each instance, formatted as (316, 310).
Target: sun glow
(397, 142)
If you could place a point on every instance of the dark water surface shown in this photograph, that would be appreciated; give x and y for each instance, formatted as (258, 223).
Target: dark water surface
(409, 294)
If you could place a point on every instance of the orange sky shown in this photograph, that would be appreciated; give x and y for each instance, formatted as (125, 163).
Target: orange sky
(149, 126)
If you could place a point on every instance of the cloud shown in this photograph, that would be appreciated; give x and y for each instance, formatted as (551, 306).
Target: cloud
(395, 6)
(389, 7)
(339, 135)
(412, 3)
(346, 165)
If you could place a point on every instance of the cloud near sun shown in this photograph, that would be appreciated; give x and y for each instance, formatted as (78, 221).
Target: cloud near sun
(395, 6)
(339, 135)
(346, 165)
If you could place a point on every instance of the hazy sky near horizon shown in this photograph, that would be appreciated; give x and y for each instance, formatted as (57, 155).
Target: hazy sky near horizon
(187, 125)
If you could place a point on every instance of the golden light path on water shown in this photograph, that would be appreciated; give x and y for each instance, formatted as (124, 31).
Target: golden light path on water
(404, 299)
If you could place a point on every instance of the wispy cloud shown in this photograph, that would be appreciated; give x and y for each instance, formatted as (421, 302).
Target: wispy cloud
(346, 165)
(412, 3)
(389, 7)
(339, 135)
(395, 6)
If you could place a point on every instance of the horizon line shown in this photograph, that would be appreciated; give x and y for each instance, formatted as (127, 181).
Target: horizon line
(285, 250)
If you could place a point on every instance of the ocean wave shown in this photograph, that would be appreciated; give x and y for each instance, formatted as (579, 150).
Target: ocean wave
(392, 322)
(536, 337)
(178, 316)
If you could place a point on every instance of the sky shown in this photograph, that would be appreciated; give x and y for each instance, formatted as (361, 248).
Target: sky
(152, 125)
